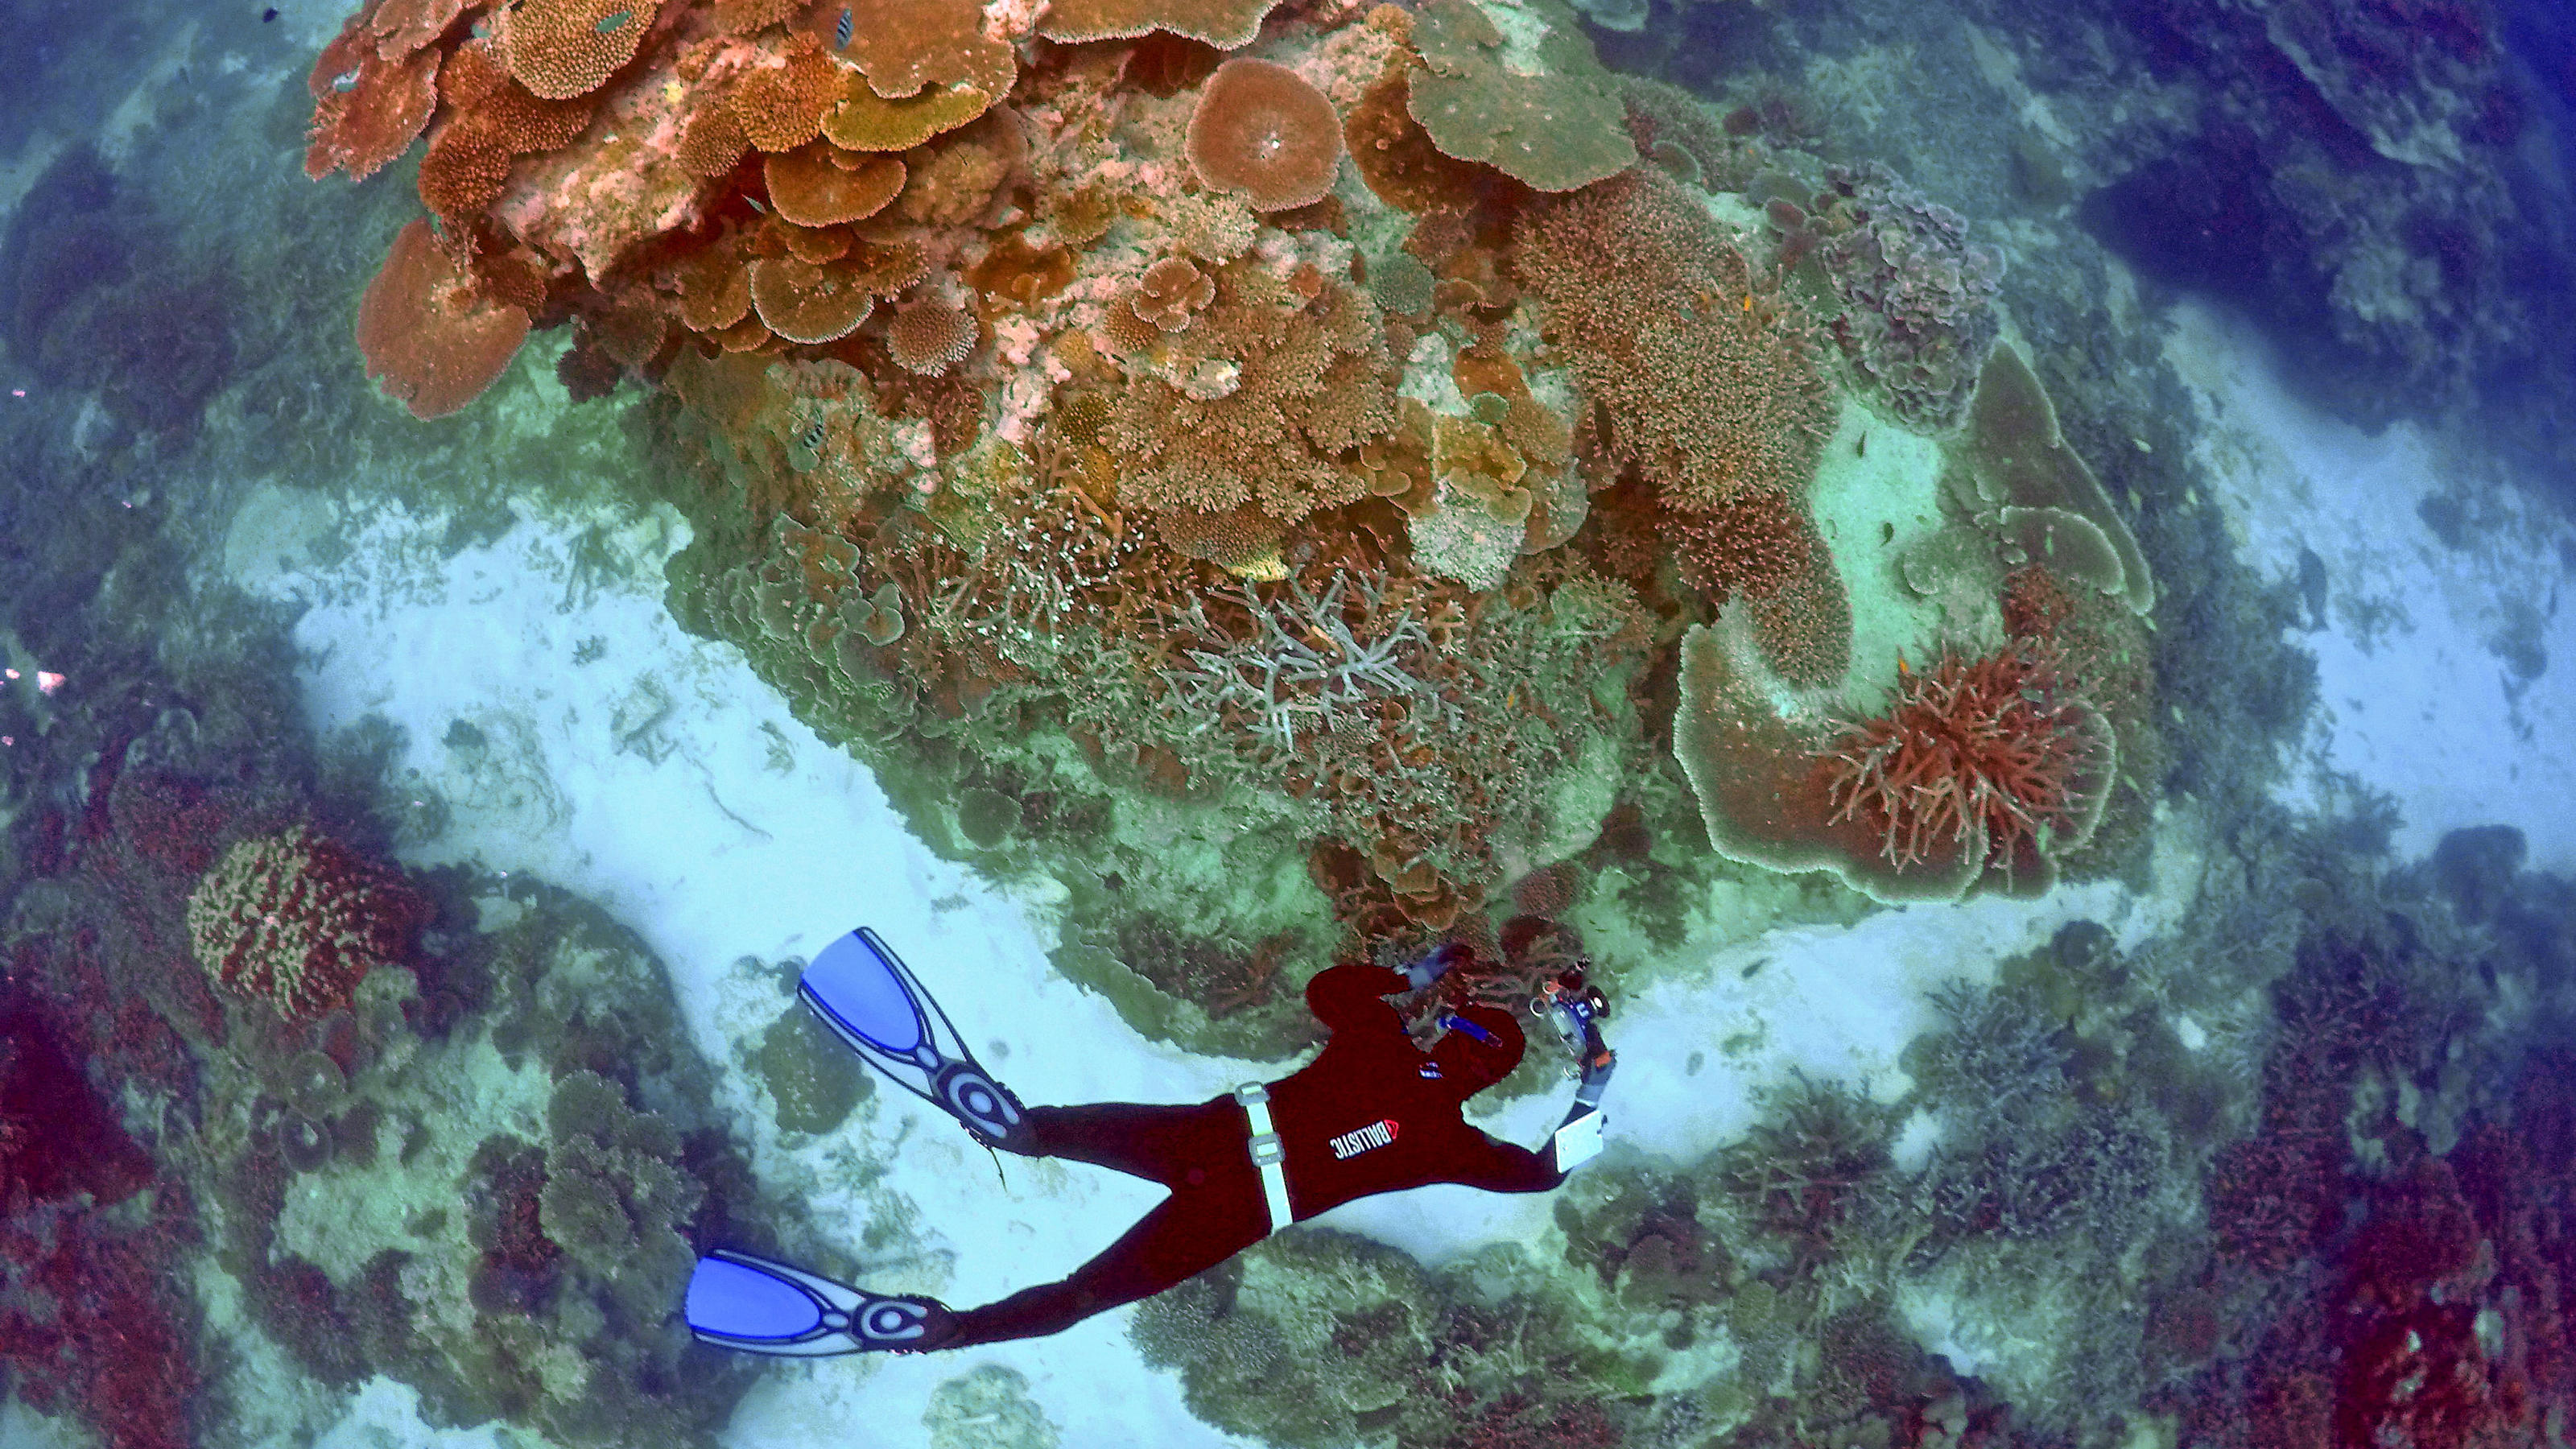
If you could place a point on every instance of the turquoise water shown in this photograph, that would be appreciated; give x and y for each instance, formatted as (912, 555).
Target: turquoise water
(1988, 574)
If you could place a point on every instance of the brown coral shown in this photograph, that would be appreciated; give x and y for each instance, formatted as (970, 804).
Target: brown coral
(1262, 132)
(809, 303)
(1754, 544)
(902, 46)
(366, 110)
(1804, 627)
(298, 919)
(812, 189)
(1224, 24)
(930, 337)
(1712, 391)
(1173, 290)
(782, 107)
(866, 121)
(559, 49)
(404, 26)
(428, 330)
(1235, 539)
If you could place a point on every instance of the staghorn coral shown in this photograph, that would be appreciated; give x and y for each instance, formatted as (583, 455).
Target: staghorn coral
(430, 331)
(298, 919)
(1711, 391)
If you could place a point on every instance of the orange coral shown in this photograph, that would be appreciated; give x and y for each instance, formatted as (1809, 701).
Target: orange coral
(366, 109)
(782, 107)
(1261, 131)
(930, 337)
(712, 143)
(428, 330)
(901, 46)
(814, 190)
(1711, 392)
(497, 120)
(404, 26)
(804, 302)
(559, 49)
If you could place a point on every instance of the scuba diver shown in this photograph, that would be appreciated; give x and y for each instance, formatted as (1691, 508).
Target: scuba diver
(1372, 1113)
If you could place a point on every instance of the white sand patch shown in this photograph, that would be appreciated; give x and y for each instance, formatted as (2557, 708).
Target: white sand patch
(2423, 655)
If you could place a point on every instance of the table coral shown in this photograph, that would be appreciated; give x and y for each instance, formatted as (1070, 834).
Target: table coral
(297, 919)
(429, 329)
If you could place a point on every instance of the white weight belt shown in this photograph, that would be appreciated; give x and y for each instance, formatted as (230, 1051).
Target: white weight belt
(1267, 1153)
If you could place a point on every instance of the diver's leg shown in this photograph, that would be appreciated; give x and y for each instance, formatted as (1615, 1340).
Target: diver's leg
(1187, 1234)
(1159, 1142)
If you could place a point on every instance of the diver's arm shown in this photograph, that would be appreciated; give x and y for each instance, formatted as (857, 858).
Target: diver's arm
(1501, 1167)
(1353, 994)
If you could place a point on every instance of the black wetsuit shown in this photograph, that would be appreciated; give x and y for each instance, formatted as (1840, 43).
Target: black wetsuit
(1359, 1119)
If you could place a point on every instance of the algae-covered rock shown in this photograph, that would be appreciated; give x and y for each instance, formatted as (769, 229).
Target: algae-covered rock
(813, 1081)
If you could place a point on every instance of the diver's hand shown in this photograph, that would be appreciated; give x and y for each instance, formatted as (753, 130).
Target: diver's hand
(1433, 966)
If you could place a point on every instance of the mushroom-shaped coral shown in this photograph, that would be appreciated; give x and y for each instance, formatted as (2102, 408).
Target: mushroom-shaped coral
(297, 919)
(1261, 131)
(1173, 291)
(806, 302)
(929, 337)
(559, 49)
(430, 332)
(812, 189)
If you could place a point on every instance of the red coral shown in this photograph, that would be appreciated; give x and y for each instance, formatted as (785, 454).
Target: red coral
(430, 331)
(366, 109)
(298, 919)
(1984, 757)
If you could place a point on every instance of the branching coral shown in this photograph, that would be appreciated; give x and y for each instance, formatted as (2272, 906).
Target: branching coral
(1302, 671)
(1986, 760)
(1712, 390)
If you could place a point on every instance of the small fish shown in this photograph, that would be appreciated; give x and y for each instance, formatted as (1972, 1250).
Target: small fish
(812, 437)
(345, 81)
(268, 15)
(844, 28)
(609, 24)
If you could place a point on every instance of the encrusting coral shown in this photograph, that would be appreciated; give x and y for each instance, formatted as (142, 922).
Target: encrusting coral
(297, 920)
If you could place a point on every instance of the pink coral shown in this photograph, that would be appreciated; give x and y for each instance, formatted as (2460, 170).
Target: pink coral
(297, 920)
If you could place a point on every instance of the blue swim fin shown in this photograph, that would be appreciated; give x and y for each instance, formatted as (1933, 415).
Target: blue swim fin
(755, 1305)
(869, 999)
